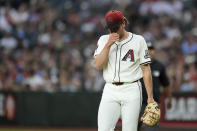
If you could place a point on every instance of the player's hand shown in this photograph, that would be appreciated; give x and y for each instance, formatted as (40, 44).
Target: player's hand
(113, 37)
(150, 100)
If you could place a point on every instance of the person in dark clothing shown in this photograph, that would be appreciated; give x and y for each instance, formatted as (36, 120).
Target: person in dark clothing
(159, 78)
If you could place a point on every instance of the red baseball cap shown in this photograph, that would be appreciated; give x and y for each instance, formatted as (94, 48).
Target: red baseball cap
(114, 18)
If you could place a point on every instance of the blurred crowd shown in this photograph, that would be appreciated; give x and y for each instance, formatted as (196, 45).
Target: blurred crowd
(48, 45)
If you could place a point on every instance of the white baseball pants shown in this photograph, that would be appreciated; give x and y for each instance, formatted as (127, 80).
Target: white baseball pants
(123, 101)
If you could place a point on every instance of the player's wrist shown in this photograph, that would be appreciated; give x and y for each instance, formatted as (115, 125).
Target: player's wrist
(108, 45)
(150, 95)
(150, 100)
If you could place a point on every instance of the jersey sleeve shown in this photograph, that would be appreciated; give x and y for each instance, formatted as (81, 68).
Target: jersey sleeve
(100, 46)
(144, 56)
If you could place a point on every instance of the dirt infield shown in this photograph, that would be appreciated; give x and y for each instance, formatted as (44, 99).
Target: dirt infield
(41, 130)
(47, 129)
(44, 129)
(81, 129)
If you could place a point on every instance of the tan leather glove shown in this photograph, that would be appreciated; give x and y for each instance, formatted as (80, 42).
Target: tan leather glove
(151, 114)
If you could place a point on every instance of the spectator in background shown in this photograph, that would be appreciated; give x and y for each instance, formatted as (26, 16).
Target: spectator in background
(8, 42)
(190, 78)
(189, 44)
(93, 79)
(54, 35)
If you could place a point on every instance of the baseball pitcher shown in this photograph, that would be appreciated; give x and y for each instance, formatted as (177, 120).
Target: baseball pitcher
(124, 58)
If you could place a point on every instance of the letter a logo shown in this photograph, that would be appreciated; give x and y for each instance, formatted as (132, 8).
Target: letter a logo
(129, 56)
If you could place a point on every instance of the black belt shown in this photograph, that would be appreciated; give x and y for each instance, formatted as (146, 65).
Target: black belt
(121, 83)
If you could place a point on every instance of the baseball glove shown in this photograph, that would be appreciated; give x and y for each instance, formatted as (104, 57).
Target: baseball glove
(151, 114)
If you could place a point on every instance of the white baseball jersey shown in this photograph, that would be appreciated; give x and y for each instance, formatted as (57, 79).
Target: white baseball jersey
(124, 58)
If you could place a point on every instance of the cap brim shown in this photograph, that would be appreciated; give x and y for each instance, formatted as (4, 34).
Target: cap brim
(109, 26)
(113, 27)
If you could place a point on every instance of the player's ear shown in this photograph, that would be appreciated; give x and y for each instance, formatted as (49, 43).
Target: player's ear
(126, 21)
(124, 24)
(109, 30)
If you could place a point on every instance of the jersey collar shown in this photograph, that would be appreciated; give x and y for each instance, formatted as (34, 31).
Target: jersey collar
(125, 40)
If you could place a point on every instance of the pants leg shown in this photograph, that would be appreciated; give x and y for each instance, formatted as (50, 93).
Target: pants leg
(109, 112)
(130, 110)
(141, 113)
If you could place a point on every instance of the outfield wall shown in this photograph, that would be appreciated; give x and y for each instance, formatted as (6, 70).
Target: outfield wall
(183, 112)
(80, 109)
(49, 109)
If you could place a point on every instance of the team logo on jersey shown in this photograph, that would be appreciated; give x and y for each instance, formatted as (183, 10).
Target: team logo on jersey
(129, 56)
(146, 54)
